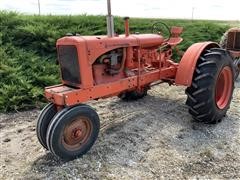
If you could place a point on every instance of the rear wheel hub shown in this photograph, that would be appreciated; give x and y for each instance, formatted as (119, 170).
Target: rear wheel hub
(224, 87)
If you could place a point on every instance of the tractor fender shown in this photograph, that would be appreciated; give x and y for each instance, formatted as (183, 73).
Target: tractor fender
(189, 60)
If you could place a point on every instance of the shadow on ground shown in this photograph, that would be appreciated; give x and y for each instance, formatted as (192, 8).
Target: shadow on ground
(150, 138)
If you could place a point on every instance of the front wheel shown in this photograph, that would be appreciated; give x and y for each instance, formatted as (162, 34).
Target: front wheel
(210, 94)
(72, 133)
(43, 121)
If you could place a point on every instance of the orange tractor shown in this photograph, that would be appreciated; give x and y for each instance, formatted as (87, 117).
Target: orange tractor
(126, 66)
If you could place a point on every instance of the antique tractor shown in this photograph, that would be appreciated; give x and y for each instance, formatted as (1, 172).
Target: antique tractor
(126, 66)
(231, 41)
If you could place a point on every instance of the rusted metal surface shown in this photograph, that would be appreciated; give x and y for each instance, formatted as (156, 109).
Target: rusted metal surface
(126, 22)
(109, 66)
(233, 40)
(148, 59)
(76, 133)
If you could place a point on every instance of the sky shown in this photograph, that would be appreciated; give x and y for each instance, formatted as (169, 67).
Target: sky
(201, 9)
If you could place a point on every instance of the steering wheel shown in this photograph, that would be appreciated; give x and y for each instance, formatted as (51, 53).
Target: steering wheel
(161, 29)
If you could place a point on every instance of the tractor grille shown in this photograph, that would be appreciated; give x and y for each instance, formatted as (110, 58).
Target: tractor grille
(233, 42)
(68, 60)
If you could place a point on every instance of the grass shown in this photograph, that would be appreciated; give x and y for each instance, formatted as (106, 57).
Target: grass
(28, 53)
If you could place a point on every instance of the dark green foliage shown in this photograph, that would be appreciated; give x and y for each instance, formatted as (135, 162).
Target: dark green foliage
(28, 53)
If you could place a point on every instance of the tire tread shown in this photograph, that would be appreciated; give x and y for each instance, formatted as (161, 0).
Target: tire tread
(200, 99)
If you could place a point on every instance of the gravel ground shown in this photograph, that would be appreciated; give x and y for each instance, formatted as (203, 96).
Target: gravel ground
(153, 138)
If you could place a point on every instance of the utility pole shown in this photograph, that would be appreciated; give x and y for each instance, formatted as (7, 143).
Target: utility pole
(193, 8)
(39, 8)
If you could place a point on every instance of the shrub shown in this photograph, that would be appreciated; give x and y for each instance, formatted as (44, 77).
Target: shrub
(28, 53)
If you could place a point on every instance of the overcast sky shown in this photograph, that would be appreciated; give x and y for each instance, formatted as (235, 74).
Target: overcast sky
(203, 9)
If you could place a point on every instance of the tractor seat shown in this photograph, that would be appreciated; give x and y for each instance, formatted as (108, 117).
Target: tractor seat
(175, 38)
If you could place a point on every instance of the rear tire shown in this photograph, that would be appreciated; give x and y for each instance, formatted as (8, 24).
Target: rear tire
(210, 94)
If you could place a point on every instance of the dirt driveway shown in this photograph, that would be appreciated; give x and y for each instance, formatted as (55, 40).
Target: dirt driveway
(153, 138)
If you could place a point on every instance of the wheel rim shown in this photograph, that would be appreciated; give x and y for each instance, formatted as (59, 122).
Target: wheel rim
(224, 88)
(77, 133)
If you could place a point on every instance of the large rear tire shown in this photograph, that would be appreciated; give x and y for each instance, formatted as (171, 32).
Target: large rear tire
(210, 94)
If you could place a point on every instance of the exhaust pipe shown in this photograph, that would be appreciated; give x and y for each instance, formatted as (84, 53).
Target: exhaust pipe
(126, 22)
(110, 20)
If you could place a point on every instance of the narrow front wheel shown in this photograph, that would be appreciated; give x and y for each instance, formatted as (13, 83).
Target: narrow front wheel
(73, 133)
(43, 121)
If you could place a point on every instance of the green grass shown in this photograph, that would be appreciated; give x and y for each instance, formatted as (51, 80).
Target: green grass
(28, 53)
